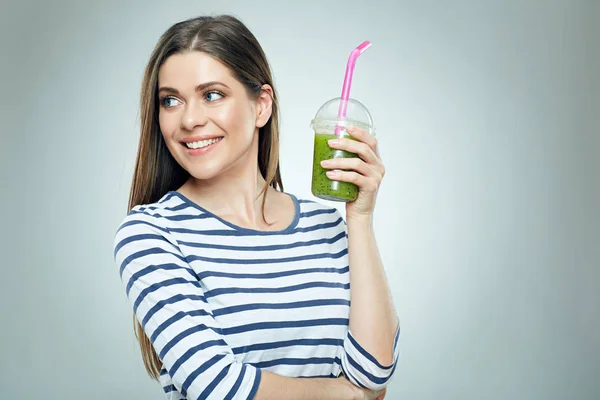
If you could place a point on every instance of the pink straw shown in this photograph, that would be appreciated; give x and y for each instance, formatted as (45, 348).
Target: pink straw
(348, 80)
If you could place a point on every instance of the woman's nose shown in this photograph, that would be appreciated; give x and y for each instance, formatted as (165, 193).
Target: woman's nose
(194, 115)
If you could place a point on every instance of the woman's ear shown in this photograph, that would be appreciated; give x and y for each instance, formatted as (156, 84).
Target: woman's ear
(264, 105)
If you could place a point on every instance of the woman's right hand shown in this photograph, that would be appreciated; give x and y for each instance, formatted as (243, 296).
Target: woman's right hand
(352, 392)
(372, 395)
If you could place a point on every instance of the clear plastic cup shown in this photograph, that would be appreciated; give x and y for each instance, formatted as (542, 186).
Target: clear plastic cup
(325, 125)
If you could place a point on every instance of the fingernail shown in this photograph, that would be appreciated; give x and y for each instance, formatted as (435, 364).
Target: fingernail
(333, 142)
(325, 163)
(331, 173)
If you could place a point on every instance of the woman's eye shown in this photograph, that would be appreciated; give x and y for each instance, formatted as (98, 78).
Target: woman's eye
(213, 96)
(169, 102)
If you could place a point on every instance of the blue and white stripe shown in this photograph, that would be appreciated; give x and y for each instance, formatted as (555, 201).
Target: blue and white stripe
(222, 303)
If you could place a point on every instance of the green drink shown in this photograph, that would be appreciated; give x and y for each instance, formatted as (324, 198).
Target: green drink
(327, 125)
(322, 186)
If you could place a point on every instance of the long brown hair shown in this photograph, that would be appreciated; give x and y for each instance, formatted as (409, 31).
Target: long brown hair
(228, 40)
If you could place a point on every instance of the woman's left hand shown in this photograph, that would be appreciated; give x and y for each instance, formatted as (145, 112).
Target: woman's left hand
(366, 171)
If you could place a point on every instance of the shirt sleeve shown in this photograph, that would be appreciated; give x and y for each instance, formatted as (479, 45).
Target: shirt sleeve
(360, 366)
(169, 303)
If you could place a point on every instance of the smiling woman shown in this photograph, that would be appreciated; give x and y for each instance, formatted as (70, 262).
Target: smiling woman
(238, 288)
(214, 119)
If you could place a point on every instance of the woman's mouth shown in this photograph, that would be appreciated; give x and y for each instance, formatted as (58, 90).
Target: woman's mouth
(201, 146)
(202, 143)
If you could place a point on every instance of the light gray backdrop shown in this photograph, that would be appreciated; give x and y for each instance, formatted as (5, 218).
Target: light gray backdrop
(488, 219)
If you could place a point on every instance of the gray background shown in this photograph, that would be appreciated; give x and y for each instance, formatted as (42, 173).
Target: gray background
(488, 219)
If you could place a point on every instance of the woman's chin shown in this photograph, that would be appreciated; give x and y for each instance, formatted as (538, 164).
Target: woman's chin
(204, 172)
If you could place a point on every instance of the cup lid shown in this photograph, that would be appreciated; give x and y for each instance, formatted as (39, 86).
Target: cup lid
(356, 114)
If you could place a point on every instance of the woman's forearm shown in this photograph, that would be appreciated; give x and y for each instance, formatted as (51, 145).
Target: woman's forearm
(275, 387)
(373, 319)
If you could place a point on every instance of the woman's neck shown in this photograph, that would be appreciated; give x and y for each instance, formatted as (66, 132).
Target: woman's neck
(234, 195)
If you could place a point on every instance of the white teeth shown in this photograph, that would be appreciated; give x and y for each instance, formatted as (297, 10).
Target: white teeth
(202, 143)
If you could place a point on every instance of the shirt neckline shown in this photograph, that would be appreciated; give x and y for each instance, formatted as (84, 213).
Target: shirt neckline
(238, 228)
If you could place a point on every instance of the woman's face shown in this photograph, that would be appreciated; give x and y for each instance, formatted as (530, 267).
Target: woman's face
(207, 120)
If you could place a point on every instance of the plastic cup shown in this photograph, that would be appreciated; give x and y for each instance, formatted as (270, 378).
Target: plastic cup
(325, 125)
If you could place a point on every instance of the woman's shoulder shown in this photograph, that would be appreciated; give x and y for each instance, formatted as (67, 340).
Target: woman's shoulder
(151, 221)
(155, 209)
(311, 207)
(155, 215)
(311, 201)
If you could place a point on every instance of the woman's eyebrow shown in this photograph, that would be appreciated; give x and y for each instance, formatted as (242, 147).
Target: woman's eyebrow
(199, 88)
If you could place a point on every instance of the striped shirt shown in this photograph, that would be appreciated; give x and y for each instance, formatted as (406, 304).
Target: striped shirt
(221, 303)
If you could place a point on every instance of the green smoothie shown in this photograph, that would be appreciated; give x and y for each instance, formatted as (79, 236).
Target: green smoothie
(322, 186)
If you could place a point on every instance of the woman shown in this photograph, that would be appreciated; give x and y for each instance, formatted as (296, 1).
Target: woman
(238, 288)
